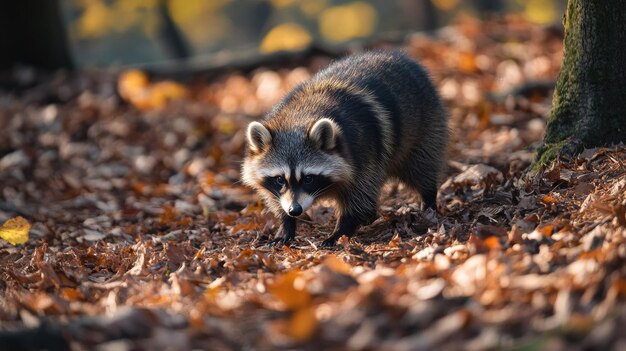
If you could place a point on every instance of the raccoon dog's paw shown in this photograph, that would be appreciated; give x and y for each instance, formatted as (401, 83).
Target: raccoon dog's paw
(281, 241)
(329, 242)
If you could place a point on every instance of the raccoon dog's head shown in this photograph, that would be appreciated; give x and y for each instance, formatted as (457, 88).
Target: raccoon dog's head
(292, 166)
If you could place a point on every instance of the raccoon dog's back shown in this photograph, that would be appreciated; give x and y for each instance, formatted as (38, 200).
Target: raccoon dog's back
(389, 112)
(386, 121)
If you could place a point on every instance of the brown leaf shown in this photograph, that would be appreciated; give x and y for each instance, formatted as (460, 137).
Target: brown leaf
(485, 231)
(475, 175)
(168, 215)
(620, 214)
(175, 255)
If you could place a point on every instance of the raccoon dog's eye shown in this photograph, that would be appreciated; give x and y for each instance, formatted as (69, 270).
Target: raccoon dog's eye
(308, 179)
(279, 180)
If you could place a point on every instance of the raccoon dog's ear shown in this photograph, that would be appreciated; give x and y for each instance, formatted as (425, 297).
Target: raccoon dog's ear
(324, 134)
(259, 137)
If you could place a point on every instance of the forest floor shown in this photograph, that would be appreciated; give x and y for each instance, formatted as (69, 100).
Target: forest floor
(143, 238)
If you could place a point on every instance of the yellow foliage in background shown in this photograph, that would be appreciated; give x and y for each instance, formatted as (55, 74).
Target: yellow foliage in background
(312, 8)
(99, 17)
(286, 37)
(189, 10)
(282, 3)
(15, 230)
(94, 21)
(201, 21)
(540, 11)
(210, 25)
(342, 23)
(445, 5)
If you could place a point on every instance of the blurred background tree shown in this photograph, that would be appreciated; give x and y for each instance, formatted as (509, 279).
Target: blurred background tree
(589, 105)
(33, 32)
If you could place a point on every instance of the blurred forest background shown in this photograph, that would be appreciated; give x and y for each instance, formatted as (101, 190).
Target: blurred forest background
(215, 33)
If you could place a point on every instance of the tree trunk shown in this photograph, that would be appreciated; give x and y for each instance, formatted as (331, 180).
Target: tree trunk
(32, 32)
(589, 103)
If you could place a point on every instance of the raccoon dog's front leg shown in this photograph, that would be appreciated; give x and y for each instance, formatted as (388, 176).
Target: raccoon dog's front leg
(347, 225)
(351, 218)
(287, 231)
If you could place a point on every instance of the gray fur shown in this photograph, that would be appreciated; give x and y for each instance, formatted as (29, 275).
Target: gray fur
(399, 131)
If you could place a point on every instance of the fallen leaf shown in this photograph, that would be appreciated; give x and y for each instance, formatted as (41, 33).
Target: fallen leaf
(493, 243)
(546, 230)
(290, 290)
(396, 241)
(548, 199)
(475, 175)
(337, 265)
(303, 324)
(15, 230)
(344, 241)
(589, 154)
(134, 86)
(244, 227)
(70, 294)
(486, 231)
(132, 83)
(168, 215)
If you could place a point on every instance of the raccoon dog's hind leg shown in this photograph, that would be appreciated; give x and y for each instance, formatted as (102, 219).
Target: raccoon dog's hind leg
(421, 172)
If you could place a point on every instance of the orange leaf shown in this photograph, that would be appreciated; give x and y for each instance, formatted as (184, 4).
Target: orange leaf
(244, 226)
(492, 243)
(132, 83)
(134, 87)
(168, 91)
(253, 208)
(345, 242)
(229, 218)
(549, 199)
(245, 253)
(395, 241)
(303, 324)
(70, 294)
(467, 62)
(337, 265)
(620, 285)
(290, 290)
(546, 230)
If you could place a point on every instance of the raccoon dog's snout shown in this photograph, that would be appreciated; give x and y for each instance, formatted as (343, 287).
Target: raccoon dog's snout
(291, 206)
(295, 210)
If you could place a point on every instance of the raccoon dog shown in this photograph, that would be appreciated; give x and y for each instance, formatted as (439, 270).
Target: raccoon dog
(340, 135)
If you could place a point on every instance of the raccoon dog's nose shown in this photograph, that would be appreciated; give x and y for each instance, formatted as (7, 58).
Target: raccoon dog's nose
(295, 210)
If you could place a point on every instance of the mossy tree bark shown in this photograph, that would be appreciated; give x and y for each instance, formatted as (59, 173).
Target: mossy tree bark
(589, 103)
